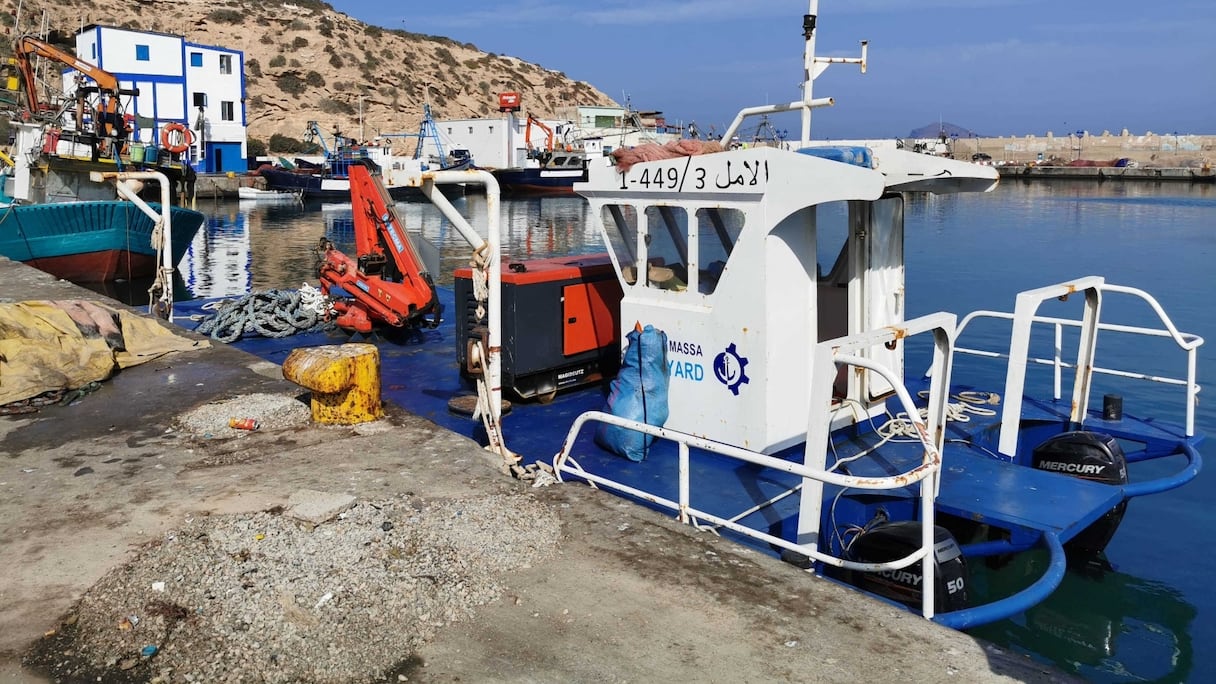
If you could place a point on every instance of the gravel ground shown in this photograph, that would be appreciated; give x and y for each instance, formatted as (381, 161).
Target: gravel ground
(271, 411)
(262, 597)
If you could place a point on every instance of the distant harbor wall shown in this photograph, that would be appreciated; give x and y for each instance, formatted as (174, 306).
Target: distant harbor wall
(1163, 150)
(224, 186)
(1108, 173)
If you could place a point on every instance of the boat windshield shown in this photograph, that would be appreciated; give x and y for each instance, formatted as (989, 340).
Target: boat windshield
(679, 258)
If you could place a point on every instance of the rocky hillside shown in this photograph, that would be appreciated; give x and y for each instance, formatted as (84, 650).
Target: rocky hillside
(305, 61)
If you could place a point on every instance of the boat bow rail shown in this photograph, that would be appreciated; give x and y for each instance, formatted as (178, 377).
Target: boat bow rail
(1024, 320)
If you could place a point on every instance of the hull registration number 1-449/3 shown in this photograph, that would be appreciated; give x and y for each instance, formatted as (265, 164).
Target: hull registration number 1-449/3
(722, 175)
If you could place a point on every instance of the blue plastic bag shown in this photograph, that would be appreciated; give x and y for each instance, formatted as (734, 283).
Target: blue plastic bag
(639, 393)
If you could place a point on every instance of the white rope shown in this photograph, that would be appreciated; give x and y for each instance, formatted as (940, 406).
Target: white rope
(313, 299)
(482, 410)
(902, 429)
(480, 266)
(160, 299)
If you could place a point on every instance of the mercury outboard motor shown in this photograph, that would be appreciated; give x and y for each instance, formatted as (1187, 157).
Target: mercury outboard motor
(893, 540)
(1089, 456)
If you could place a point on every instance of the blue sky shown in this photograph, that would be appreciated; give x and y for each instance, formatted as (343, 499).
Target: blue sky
(998, 67)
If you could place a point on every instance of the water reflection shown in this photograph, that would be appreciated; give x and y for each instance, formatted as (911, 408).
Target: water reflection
(246, 245)
(219, 260)
(1103, 625)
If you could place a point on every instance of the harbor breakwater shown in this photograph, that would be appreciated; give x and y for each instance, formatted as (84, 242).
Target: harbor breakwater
(1166, 150)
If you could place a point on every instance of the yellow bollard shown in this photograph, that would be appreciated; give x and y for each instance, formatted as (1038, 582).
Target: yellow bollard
(344, 379)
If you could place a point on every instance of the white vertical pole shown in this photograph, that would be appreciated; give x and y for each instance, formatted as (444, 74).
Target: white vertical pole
(808, 69)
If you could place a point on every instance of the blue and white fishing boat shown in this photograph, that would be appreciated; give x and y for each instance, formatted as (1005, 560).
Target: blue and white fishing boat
(795, 407)
(331, 181)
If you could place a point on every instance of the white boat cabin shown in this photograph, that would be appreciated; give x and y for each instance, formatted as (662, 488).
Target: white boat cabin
(747, 258)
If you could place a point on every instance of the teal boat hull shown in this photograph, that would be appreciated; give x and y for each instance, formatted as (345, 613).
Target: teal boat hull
(91, 241)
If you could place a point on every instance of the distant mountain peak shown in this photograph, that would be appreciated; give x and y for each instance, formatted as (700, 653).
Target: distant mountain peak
(935, 129)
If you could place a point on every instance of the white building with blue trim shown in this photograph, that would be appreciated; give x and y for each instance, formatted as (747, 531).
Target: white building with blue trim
(199, 86)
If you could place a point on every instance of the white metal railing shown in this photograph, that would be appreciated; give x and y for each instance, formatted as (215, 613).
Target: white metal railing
(813, 471)
(1187, 342)
(160, 296)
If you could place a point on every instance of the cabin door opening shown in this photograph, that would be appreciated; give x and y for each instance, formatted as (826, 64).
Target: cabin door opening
(860, 285)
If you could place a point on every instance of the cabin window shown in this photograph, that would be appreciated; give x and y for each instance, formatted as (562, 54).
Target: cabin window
(196, 59)
(831, 242)
(717, 232)
(666, 239)
(227, 111)
(621, 227)
(225, 64)
(833, 271)
(142, 53)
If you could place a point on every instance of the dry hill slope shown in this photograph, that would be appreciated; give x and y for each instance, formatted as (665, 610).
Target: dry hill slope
(305, 61)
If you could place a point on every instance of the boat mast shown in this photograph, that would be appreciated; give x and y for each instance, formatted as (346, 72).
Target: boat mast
(808, 68)
(813, 66)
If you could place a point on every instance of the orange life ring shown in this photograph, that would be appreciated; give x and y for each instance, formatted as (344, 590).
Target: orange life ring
(176, 137)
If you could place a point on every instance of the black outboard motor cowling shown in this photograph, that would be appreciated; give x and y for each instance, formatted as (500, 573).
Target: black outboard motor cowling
(1090, 456)
(894, 540)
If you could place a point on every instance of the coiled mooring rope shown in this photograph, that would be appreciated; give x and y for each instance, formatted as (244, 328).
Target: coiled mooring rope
(273, 313)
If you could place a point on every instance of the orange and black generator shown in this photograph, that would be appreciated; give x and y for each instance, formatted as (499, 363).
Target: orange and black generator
(560, 323)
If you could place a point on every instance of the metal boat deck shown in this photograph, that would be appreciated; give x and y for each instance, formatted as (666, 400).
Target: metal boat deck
(420, 374)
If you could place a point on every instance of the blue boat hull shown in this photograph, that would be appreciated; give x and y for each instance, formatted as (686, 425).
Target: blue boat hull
(538, 181)
(93, 241)
(335, 188)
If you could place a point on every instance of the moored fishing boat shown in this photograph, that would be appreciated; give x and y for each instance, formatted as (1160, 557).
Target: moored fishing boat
(92, 241)
(773, 282)
(72, 189)
(331, 180)
(547, 173)
(262, 195)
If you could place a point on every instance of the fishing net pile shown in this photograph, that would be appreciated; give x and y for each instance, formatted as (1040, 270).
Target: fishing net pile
(626, 158)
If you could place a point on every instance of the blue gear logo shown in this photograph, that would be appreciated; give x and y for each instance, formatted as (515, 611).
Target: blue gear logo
(728, 368)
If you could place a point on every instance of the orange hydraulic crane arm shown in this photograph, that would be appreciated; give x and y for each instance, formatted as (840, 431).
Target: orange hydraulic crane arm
(528, 134)
(28, 45)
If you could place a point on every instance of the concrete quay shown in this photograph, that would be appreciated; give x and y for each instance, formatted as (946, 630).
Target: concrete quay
(631, 596)
(224, 186)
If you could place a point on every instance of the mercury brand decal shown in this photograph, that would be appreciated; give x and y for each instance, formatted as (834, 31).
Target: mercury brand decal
(911, 579)
(728, 368)
(1078, 468)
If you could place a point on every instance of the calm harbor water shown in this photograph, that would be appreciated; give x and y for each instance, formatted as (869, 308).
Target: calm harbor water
(1145, 620)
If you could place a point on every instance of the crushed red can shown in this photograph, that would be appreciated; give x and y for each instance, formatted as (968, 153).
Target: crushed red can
(244, 423)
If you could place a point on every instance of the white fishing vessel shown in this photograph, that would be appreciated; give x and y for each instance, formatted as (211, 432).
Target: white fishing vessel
(770, 386)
